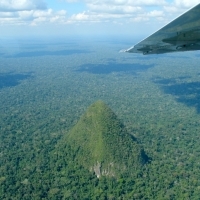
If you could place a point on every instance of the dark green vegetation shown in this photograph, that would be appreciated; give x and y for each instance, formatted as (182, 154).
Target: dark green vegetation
(155, 97)
(101, 143)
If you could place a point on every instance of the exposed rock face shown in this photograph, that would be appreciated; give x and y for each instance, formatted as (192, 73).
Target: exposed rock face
(97, 169)
(105, 172)
(101, 143)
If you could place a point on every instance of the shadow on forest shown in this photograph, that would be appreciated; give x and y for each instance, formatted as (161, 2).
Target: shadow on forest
(114, 67)
(184, 92)
(47, 53)
(11, 80)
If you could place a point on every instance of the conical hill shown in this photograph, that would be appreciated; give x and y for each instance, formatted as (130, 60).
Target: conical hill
(101, 143)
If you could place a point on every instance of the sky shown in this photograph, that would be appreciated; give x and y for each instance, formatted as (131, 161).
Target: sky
(88, 17)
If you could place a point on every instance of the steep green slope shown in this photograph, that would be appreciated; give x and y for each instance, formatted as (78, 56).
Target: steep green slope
(101, 143)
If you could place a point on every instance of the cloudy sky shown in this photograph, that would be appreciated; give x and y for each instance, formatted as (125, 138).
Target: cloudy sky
(88, 17)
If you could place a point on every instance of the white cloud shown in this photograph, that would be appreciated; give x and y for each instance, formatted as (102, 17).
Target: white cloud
(155, 13)
(93, 17)
(33, 17)
(186, 3)
(19, 5)
(29, 12)
(147, 16)
(123, 2)
(34, 12)
(108, 8)
(118, 10)
(8, 15)
(80, 17)
(177, 8)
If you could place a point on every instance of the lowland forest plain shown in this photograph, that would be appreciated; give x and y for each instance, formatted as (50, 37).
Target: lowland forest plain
(79, 120)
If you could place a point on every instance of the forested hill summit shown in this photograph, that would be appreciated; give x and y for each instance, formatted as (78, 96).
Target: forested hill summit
(100, 143)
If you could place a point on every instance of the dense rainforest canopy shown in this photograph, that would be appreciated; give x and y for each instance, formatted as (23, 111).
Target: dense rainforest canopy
(45, 88)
